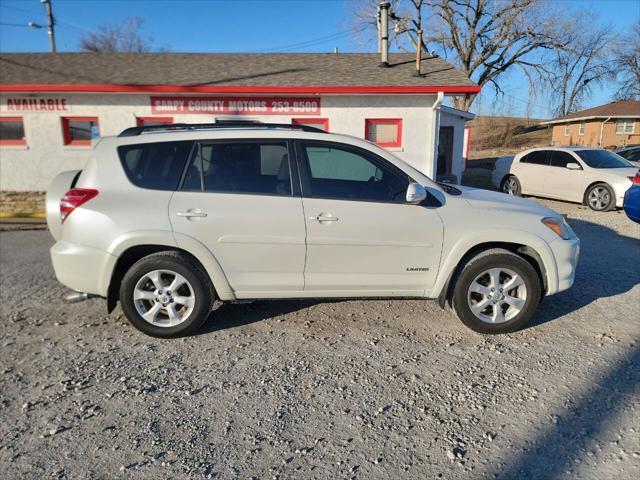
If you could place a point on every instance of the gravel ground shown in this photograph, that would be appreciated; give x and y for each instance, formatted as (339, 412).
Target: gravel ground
(346, 389)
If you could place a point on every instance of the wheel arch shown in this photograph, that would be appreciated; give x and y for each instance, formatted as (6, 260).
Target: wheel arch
(527, 252)
(129, 250)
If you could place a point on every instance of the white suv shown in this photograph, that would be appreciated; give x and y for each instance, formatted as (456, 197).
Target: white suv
(167, 219)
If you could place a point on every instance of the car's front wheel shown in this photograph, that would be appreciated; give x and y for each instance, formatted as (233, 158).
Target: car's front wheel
(166, 295)
(511, 186)
(497, 292)
(600, 197)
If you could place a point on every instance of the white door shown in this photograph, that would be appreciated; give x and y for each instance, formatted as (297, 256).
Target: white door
(531, 171)
(237, 199)
(362, 238)
(563, 183)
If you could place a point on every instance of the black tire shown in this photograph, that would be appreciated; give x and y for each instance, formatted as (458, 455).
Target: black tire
(496, 258)
(192, 271)
(600, 206)
(511, 186)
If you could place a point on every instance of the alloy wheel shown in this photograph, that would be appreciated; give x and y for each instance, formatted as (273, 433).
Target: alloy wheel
(497, 295)
(510, 186)
(599, 198)
(163, 298)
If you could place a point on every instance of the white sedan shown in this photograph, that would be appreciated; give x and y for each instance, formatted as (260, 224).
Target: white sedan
(592, 176)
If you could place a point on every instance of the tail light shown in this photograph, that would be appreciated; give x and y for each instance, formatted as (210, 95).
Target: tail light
(73, 199)
(636, 179)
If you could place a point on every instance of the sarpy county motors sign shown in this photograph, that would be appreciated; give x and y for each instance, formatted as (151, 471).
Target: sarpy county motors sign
(237, 105)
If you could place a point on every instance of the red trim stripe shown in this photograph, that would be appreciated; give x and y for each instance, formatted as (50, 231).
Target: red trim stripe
(42, 87)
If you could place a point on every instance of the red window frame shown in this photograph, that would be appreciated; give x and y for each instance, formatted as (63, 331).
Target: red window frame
(141, 121)
(322, 122)
(385, 121)
(66, 131)
(14, 142)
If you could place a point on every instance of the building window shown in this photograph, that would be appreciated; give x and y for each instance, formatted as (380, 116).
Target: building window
(566, 130)
(322, 123)
(79, 130)
(386, 132)
(624, 126)
(148, 121)
(12, 131)
(581, 128)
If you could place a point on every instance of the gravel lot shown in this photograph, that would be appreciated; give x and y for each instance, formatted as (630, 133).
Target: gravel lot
(302, 389)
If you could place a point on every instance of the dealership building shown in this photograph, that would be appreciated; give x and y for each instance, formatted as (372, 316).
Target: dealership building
(54, 107)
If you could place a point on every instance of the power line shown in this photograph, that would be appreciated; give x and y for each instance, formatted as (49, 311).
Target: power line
(27, 25)
(58, 19)
(316, 41)
(18, 9)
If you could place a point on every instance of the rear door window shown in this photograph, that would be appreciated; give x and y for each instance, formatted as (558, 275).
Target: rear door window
(254, 167)
(536, 158)
(561, 159)
(156, 166)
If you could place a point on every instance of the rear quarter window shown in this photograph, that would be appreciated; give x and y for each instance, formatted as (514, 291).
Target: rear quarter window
(156, 166)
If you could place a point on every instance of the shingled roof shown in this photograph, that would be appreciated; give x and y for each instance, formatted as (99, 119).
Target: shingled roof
(621, 108)
(211, 70)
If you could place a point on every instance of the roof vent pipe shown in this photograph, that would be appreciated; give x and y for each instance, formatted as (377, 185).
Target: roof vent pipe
(384, 33)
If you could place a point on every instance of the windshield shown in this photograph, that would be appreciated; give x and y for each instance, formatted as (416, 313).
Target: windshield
(602, 159)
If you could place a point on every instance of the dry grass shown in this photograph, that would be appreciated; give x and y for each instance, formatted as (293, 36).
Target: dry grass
(495, 136)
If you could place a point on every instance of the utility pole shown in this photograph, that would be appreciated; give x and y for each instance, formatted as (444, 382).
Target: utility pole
(50, 25)
(418, 72)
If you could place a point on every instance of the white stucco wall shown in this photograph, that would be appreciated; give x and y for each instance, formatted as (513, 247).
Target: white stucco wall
(31, 167)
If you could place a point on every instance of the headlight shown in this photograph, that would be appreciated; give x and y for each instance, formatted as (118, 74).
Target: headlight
(559, 226)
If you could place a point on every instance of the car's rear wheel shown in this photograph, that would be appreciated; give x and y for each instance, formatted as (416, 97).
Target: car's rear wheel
(497, 292)
(600, 197)
(166, 295)
(511, 186)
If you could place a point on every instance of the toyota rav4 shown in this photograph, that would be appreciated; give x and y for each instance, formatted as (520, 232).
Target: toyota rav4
(168, 219)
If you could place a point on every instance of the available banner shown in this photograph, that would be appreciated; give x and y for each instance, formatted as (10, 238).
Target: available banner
(237, 105)
(34, 104)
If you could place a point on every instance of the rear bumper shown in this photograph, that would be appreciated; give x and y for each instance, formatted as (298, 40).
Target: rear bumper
(81, 268)
(620, 190)
(566, 253)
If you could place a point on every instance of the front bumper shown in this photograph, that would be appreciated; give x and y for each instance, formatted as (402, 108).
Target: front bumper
(81, 268)
(566, 253)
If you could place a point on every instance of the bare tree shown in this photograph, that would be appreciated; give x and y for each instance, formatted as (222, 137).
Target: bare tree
(582, 63)
(627, 63)
(126, 37)
(485, 39)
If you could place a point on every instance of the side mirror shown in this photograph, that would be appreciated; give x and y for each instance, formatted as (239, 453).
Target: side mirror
(416, 193)
(574, 166)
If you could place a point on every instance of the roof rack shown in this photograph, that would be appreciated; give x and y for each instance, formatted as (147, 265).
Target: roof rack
(171, 127)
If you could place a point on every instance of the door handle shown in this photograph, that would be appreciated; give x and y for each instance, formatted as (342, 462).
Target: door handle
(192, 213)
(324, 218)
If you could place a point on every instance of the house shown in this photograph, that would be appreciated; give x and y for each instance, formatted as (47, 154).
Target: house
(615, 124)
(54, 107)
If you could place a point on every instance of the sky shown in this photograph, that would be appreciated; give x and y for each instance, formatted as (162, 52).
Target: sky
(258, 26)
